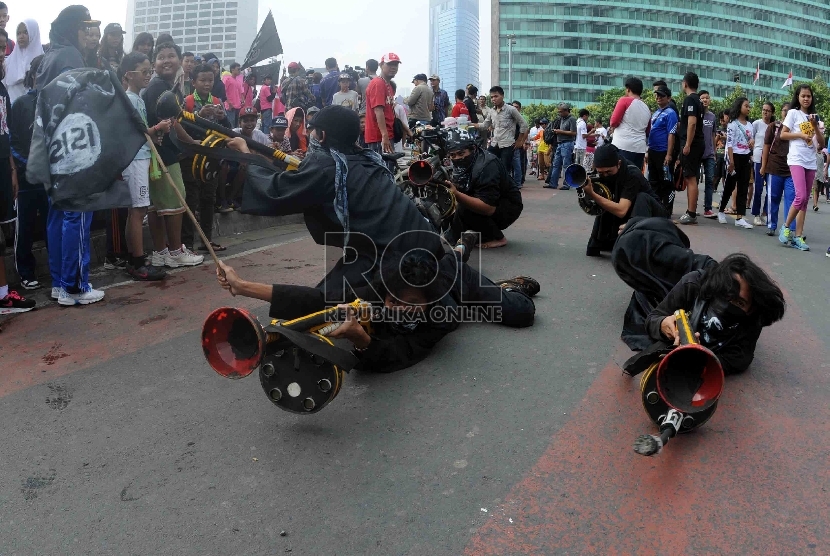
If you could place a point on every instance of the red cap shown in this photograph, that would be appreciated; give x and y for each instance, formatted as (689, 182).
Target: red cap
(293, 65)
(389, 57)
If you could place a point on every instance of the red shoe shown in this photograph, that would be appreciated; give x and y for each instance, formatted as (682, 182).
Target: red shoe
(15, 303)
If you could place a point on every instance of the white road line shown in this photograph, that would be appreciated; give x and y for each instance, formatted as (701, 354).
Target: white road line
(208, 260)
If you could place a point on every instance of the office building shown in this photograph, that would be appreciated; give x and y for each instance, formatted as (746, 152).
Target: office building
(225, 28)
(453, 43)
(573, 51)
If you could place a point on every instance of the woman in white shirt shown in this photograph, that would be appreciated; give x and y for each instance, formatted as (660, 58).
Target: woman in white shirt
(801, 129)
(629, 123)
(740, 140)
(768, 117)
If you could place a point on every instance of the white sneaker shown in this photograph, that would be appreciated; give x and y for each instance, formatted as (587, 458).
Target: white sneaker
(757, 221)
(157, 258)
(83, 298)
(183, 257)
(741, 223)
(721, 218)
(763, 220)
(56, 293)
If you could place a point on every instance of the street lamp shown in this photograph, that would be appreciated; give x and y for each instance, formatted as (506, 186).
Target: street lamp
(511, 40)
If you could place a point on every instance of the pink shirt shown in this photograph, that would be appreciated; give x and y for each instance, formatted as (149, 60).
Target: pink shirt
(265, 104)
(279, 107)
(233, 89)
(247, 95)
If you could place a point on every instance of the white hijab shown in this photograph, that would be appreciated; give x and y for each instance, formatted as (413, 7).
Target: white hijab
(19, 61)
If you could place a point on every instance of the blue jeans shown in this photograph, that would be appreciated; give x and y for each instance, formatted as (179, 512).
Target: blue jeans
(562, 156)
(776, 188)
(709, 173)
(69, 247)
(517, 166)
(266, 121)
(758, 192)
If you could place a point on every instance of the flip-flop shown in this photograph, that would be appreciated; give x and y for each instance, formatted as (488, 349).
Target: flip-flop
(216, 247)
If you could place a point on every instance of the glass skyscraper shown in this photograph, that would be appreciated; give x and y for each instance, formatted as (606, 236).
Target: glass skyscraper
(453, 43)
(572, 51)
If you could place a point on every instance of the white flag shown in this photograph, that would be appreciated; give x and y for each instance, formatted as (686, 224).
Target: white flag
(789, 80)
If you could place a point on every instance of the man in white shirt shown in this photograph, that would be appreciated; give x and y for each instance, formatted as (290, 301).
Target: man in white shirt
(600, 133)
(581, 142)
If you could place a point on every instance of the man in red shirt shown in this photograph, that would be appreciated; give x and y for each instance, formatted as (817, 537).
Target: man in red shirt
(460, 107)
(380, 107)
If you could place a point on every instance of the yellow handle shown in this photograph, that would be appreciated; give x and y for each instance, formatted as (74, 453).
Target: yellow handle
(684, 329)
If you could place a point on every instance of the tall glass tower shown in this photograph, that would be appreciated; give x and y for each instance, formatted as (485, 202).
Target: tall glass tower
(572, 51)
(453, 43)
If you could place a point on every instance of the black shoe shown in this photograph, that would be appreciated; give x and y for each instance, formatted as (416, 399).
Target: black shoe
(469, 240)
(770, 232)
(146, 273)
(112, 263)
(524, 284)
(592, 252)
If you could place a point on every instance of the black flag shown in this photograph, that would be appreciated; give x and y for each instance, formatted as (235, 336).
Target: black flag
(86, 133)
(266, 44)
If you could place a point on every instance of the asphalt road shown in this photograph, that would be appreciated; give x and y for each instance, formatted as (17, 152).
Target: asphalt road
(119, 439)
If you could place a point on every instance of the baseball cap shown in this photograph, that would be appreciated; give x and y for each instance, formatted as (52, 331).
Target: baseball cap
(662, 91)
(74, 18)
(293, 65)
(341, 124)
(420, 77)
(434, 77)
(280, 122)
(389, 57)
(248, 111)
(344, 76)
(114, 28)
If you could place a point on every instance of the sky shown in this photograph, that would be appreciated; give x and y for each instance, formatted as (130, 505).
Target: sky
(349, 31)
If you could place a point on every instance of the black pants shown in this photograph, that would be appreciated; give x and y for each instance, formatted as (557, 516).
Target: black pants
(636, 159)
(524, 165)
(490, 227)
(607, 226)
(740, 178)
(32, 208)
(658, 180)
(201, 198)
(505, 154)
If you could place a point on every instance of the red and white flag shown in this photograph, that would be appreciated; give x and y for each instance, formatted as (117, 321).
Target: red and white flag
(757, 73)
(789, 80)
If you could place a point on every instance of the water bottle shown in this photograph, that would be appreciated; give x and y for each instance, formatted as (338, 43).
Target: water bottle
(667, 173)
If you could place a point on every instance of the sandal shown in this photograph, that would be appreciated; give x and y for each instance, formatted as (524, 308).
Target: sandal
(729, 211)
(216, 247)
(815, 208)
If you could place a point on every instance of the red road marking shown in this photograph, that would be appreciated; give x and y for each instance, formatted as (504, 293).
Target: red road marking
(43, 344)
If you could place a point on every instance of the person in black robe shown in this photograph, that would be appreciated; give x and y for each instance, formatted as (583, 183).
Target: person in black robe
(631, 196)
(488, 199)
(728, 303)
(348, 198)
(420, 300)
(651, 255)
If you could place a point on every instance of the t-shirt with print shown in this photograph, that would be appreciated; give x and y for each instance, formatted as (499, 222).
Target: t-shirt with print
(691, 107)
(738, 137)
(581, 142)
(379, 93)
(348, 99)
(708, 135)
(5, 110)
(801, 152)
(662, 122)
(602, 136)
(138, 104)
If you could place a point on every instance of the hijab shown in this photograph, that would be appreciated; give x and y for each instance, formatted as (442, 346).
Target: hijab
(20, 60)
(298, 141)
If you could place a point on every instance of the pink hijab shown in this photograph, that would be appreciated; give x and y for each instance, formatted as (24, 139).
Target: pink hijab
(303, 144)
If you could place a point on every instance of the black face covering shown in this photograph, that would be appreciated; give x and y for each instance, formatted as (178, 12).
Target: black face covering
(401, 323)
(464, 163)
(720, 322)
(461, 170)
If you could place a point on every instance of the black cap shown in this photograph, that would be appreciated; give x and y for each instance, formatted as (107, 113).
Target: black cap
(662, 91)
(280, 122)
(606, 156)
(420, 77)
(341, 124)
(114, 28)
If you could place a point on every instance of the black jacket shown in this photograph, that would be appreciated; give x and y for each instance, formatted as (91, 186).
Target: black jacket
(736, 354)
(490, 182)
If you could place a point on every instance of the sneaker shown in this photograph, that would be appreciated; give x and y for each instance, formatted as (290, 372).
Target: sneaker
(763, 220)
(469, 240)
(157, 258)
(31, 284)
(721, 218)
(524, 284)
(785, 236)
(146, 273)
(56, 292)
(742, 223)
(564, 188)
(15, 303)
(709, 214)
(770, 232)
(757, 221)
(111, 263)
(687, 219)
(800, 244)
(82, 298)
(828, 252)
(182, 257)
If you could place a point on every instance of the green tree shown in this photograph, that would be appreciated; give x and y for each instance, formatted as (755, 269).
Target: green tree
(533, 112)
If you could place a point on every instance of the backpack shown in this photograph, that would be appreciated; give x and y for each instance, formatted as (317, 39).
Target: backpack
(397, 130)
(549, 136)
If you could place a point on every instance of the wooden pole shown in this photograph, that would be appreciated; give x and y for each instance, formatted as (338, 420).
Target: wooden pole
(166, 173)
